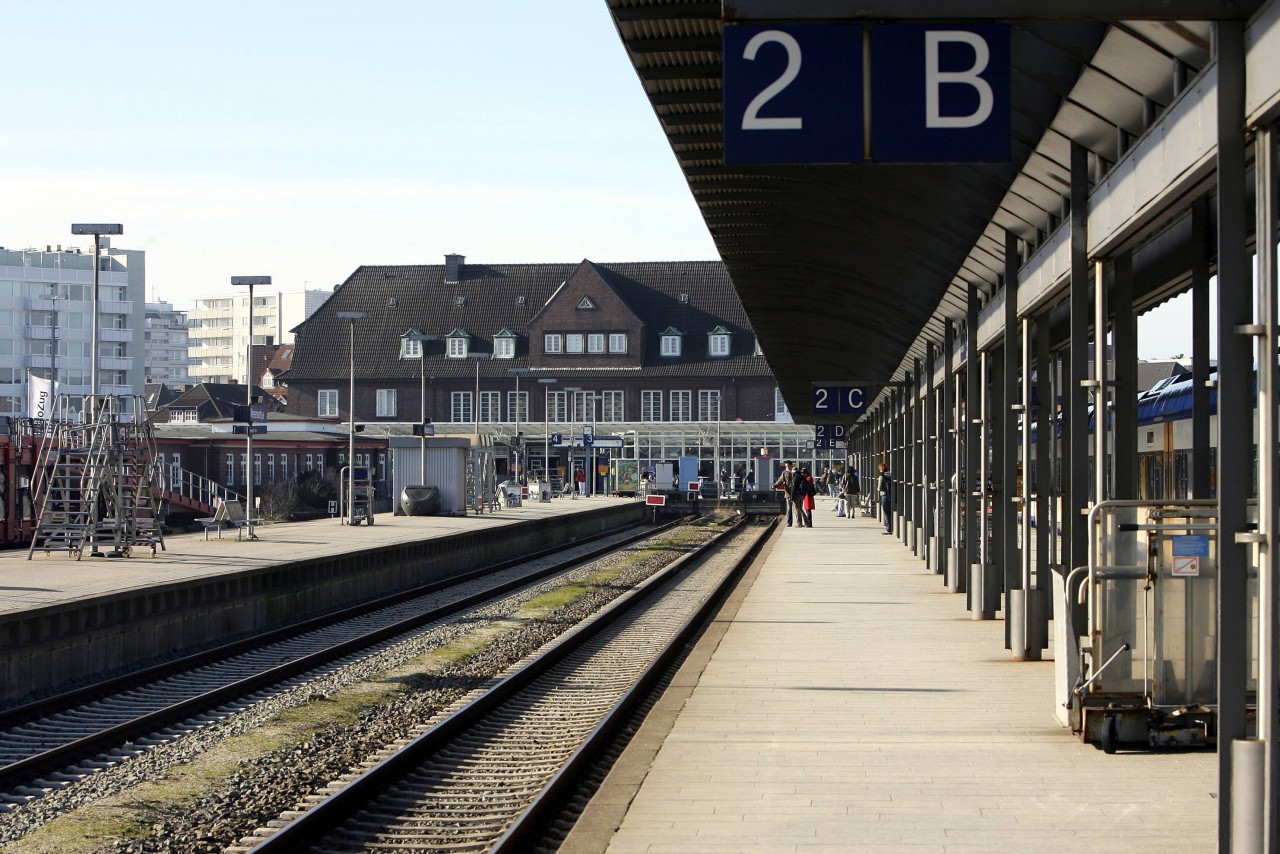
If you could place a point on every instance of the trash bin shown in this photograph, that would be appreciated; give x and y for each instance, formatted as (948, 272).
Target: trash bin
(420, 500)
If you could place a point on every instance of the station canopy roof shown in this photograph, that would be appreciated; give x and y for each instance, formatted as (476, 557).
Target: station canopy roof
(848, 271)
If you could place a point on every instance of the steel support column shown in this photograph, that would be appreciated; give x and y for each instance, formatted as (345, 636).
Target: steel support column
(1075, 530)
(1235, 399)
(1045, 415)
(969, 472)
(1268, 711)
(1005, 500)
(929, 455)
(1124, 384)
(948, 425)
(1201, 485)
(998, 500)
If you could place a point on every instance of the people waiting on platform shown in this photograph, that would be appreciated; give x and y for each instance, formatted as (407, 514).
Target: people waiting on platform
(783, 484)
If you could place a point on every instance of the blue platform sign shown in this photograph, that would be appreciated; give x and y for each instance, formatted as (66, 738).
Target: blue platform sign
(793, 94)
(839, 400)
(940, 93)
(820, 438)
(826, 400)
(557, 439)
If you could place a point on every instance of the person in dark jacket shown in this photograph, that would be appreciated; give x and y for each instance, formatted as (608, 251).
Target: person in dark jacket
(783, 484)
(850, 491)
(803, 490)
(886, 498)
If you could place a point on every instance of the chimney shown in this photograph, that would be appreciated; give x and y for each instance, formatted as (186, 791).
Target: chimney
(453, 267)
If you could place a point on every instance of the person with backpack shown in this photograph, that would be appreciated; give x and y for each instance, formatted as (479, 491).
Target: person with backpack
(850, 491)
(803, 490)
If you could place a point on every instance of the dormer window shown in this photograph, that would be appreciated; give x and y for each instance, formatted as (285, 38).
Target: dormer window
(670, 341)
(459, 344)
(504, 345)
(718, 342)
(411, 345)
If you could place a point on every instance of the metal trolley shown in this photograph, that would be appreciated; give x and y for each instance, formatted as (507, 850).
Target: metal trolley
(1148, 661)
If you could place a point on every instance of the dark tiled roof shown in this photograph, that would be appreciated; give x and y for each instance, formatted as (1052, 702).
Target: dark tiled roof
(214, 400)
(488, 298)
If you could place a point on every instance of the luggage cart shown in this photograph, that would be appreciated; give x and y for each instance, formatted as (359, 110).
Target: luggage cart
(1148, 660)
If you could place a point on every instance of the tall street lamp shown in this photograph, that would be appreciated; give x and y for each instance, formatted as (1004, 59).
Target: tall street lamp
(516, 417)
(547, 383)
(570, 393)
(422, 338)
(97, 229)
(352, 316)
(249, 468)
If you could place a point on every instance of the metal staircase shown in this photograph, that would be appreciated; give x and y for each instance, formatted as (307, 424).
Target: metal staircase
(94, 484)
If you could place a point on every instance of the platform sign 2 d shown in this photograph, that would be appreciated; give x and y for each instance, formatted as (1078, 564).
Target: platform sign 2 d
(839, 400)
(940, 93)
(825, 436)
(793, 94)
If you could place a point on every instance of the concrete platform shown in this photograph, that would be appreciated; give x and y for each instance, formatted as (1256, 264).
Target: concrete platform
(847, 704)
(63, 619)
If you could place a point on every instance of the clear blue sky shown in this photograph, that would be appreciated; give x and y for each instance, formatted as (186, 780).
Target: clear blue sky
(301, 140)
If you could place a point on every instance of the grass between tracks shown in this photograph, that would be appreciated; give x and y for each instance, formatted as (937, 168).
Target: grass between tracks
(139, 812)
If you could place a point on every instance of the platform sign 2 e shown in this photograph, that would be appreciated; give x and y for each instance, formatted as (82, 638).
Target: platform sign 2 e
(793, 94)
(839, 400)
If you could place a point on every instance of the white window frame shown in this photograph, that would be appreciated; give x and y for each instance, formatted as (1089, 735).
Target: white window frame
(670, 345)
(681, 405)
(718, 345)
(574, 342)
(518, 407)
(611, 406)
(557, 403)
(651, 405)
(708, 404)
(284, 466)
(490, 405)
(504, 347)
(552, 342)
(271, 468)
(410, 348)
(617, 342)
(459, 346)
(231, 469)
(257, 469)
(386, 405)
(595, 342)
(460, 407)
(327, 404)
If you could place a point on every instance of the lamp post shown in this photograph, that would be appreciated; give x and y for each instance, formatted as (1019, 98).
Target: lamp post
(97, 230)
(547, 383)
(422, 338)
(519, 446)
(569, 393)
(352, 316)
(249, 472)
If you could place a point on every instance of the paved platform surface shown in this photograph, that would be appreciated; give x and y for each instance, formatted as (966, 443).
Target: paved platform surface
(850, 705)
(56, 578)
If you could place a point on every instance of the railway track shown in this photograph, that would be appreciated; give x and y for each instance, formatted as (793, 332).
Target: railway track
(493, 771)
(48, 745)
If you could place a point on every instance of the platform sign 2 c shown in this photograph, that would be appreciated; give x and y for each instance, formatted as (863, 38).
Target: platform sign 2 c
(793, 94)
(839, 400)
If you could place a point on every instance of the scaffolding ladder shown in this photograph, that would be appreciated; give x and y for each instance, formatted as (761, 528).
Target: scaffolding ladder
(94, 481)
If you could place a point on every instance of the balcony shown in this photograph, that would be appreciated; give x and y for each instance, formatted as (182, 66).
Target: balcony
(115, 363)
(105, 334)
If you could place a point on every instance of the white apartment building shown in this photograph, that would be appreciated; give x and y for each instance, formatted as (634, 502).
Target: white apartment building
(167, 360)
(46, 319)
(219, 328)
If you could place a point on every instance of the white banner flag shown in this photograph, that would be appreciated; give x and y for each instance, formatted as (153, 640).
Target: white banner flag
(40, 394)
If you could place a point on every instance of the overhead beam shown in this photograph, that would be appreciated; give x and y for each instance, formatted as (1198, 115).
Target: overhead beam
(984, 10)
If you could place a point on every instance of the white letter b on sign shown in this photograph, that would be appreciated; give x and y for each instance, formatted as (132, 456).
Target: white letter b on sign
(934, 79)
